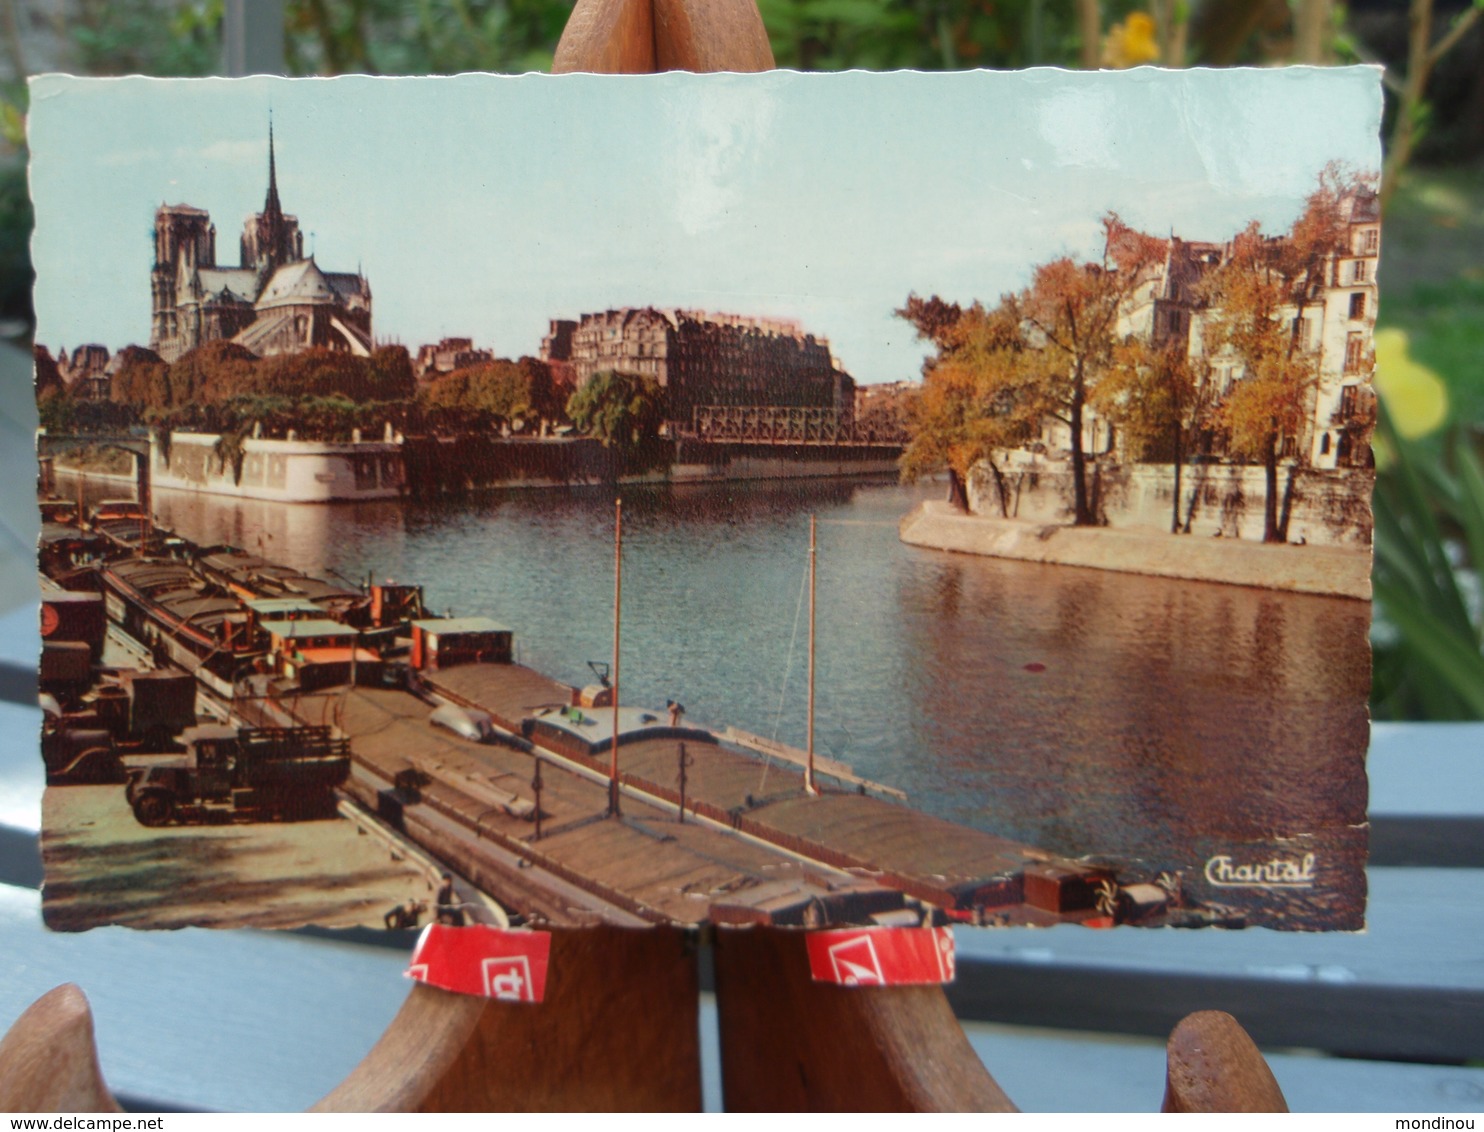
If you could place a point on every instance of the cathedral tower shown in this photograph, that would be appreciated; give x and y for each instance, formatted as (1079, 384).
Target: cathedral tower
(182, 233)
(275, 302)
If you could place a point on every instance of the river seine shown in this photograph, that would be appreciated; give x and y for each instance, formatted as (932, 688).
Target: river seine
(1217, 731)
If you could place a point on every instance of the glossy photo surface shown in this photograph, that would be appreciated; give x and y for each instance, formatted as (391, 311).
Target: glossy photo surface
(952, 490)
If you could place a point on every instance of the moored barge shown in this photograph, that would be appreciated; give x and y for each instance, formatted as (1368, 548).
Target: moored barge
(709, 830)
(167, 607)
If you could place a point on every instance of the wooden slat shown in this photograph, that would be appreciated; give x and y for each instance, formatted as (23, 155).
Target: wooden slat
(1411, 986)
(1419, 842)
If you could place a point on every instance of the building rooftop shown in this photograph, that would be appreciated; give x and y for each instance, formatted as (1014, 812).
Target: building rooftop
(298, 283)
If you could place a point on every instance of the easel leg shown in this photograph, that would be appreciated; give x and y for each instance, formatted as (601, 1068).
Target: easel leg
(617, 1032)
(49, 1061)
(790, 1044)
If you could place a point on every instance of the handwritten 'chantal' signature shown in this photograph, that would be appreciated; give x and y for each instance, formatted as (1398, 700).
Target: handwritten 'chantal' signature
(1223, 872)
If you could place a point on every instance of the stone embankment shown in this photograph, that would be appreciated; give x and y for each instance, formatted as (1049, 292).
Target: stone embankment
(1332, 571)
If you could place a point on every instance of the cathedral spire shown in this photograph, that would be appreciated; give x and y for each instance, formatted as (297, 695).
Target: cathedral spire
(271, 206)
(271, 239)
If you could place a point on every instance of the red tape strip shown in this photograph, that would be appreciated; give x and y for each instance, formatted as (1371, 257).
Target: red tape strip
(482, 961)
(882, 957)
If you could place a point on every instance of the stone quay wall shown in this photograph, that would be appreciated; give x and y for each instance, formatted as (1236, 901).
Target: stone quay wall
(1325, 570)
(1328, 507)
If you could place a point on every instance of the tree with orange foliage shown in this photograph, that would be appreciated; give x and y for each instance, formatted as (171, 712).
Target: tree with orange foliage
(1070, 315)
(1252, 318)
(211, 372)
(1259, 298)
(1157, 396)
(48, 374)
(139, 378)
(975, 401)
(1305, 255)
(999, 373)
(495, 394)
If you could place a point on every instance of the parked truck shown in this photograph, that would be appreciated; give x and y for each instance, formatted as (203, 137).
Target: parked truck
(263, 771)
(127, 713)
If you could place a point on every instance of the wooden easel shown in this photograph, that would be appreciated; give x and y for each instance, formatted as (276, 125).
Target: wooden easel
(618, 1028)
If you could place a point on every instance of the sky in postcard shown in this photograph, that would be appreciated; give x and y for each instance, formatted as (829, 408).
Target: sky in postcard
(485, 206)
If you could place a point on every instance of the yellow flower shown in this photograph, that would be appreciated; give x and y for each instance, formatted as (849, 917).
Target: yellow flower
(1131, 43)
(1415, 396)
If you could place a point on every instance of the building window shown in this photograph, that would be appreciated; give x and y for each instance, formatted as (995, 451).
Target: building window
(1301, 333)
(1354, 351)
(1324, 445)
(1370, 241)
(1357, 304)
(1359, 271)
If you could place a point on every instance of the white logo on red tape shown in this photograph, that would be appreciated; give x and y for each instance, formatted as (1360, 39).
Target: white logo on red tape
(855, 962)
(945, 955)
(508, 978)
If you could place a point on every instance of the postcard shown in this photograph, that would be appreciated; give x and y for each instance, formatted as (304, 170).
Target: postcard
(781, 499)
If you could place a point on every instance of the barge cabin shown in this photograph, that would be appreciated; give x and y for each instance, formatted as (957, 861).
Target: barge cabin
(448, 641)
(320, 654)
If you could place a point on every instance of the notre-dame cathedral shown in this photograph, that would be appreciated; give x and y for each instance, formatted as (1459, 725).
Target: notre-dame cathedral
(276, 302)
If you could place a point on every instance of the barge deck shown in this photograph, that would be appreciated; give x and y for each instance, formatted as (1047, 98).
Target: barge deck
(966, 872)
(473, 804)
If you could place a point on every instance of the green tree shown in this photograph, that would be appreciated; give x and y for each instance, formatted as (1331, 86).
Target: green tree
(16, 222)
(123, 37)
(623, 410)
(392, 37)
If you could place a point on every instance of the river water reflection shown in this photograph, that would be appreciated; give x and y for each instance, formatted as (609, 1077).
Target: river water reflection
(1151, 722)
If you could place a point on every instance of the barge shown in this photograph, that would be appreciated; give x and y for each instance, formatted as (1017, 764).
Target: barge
(165, 605)
(504, 774)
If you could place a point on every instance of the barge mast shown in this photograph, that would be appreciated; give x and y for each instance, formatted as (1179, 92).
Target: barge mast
(810, 786)
(613, 811)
